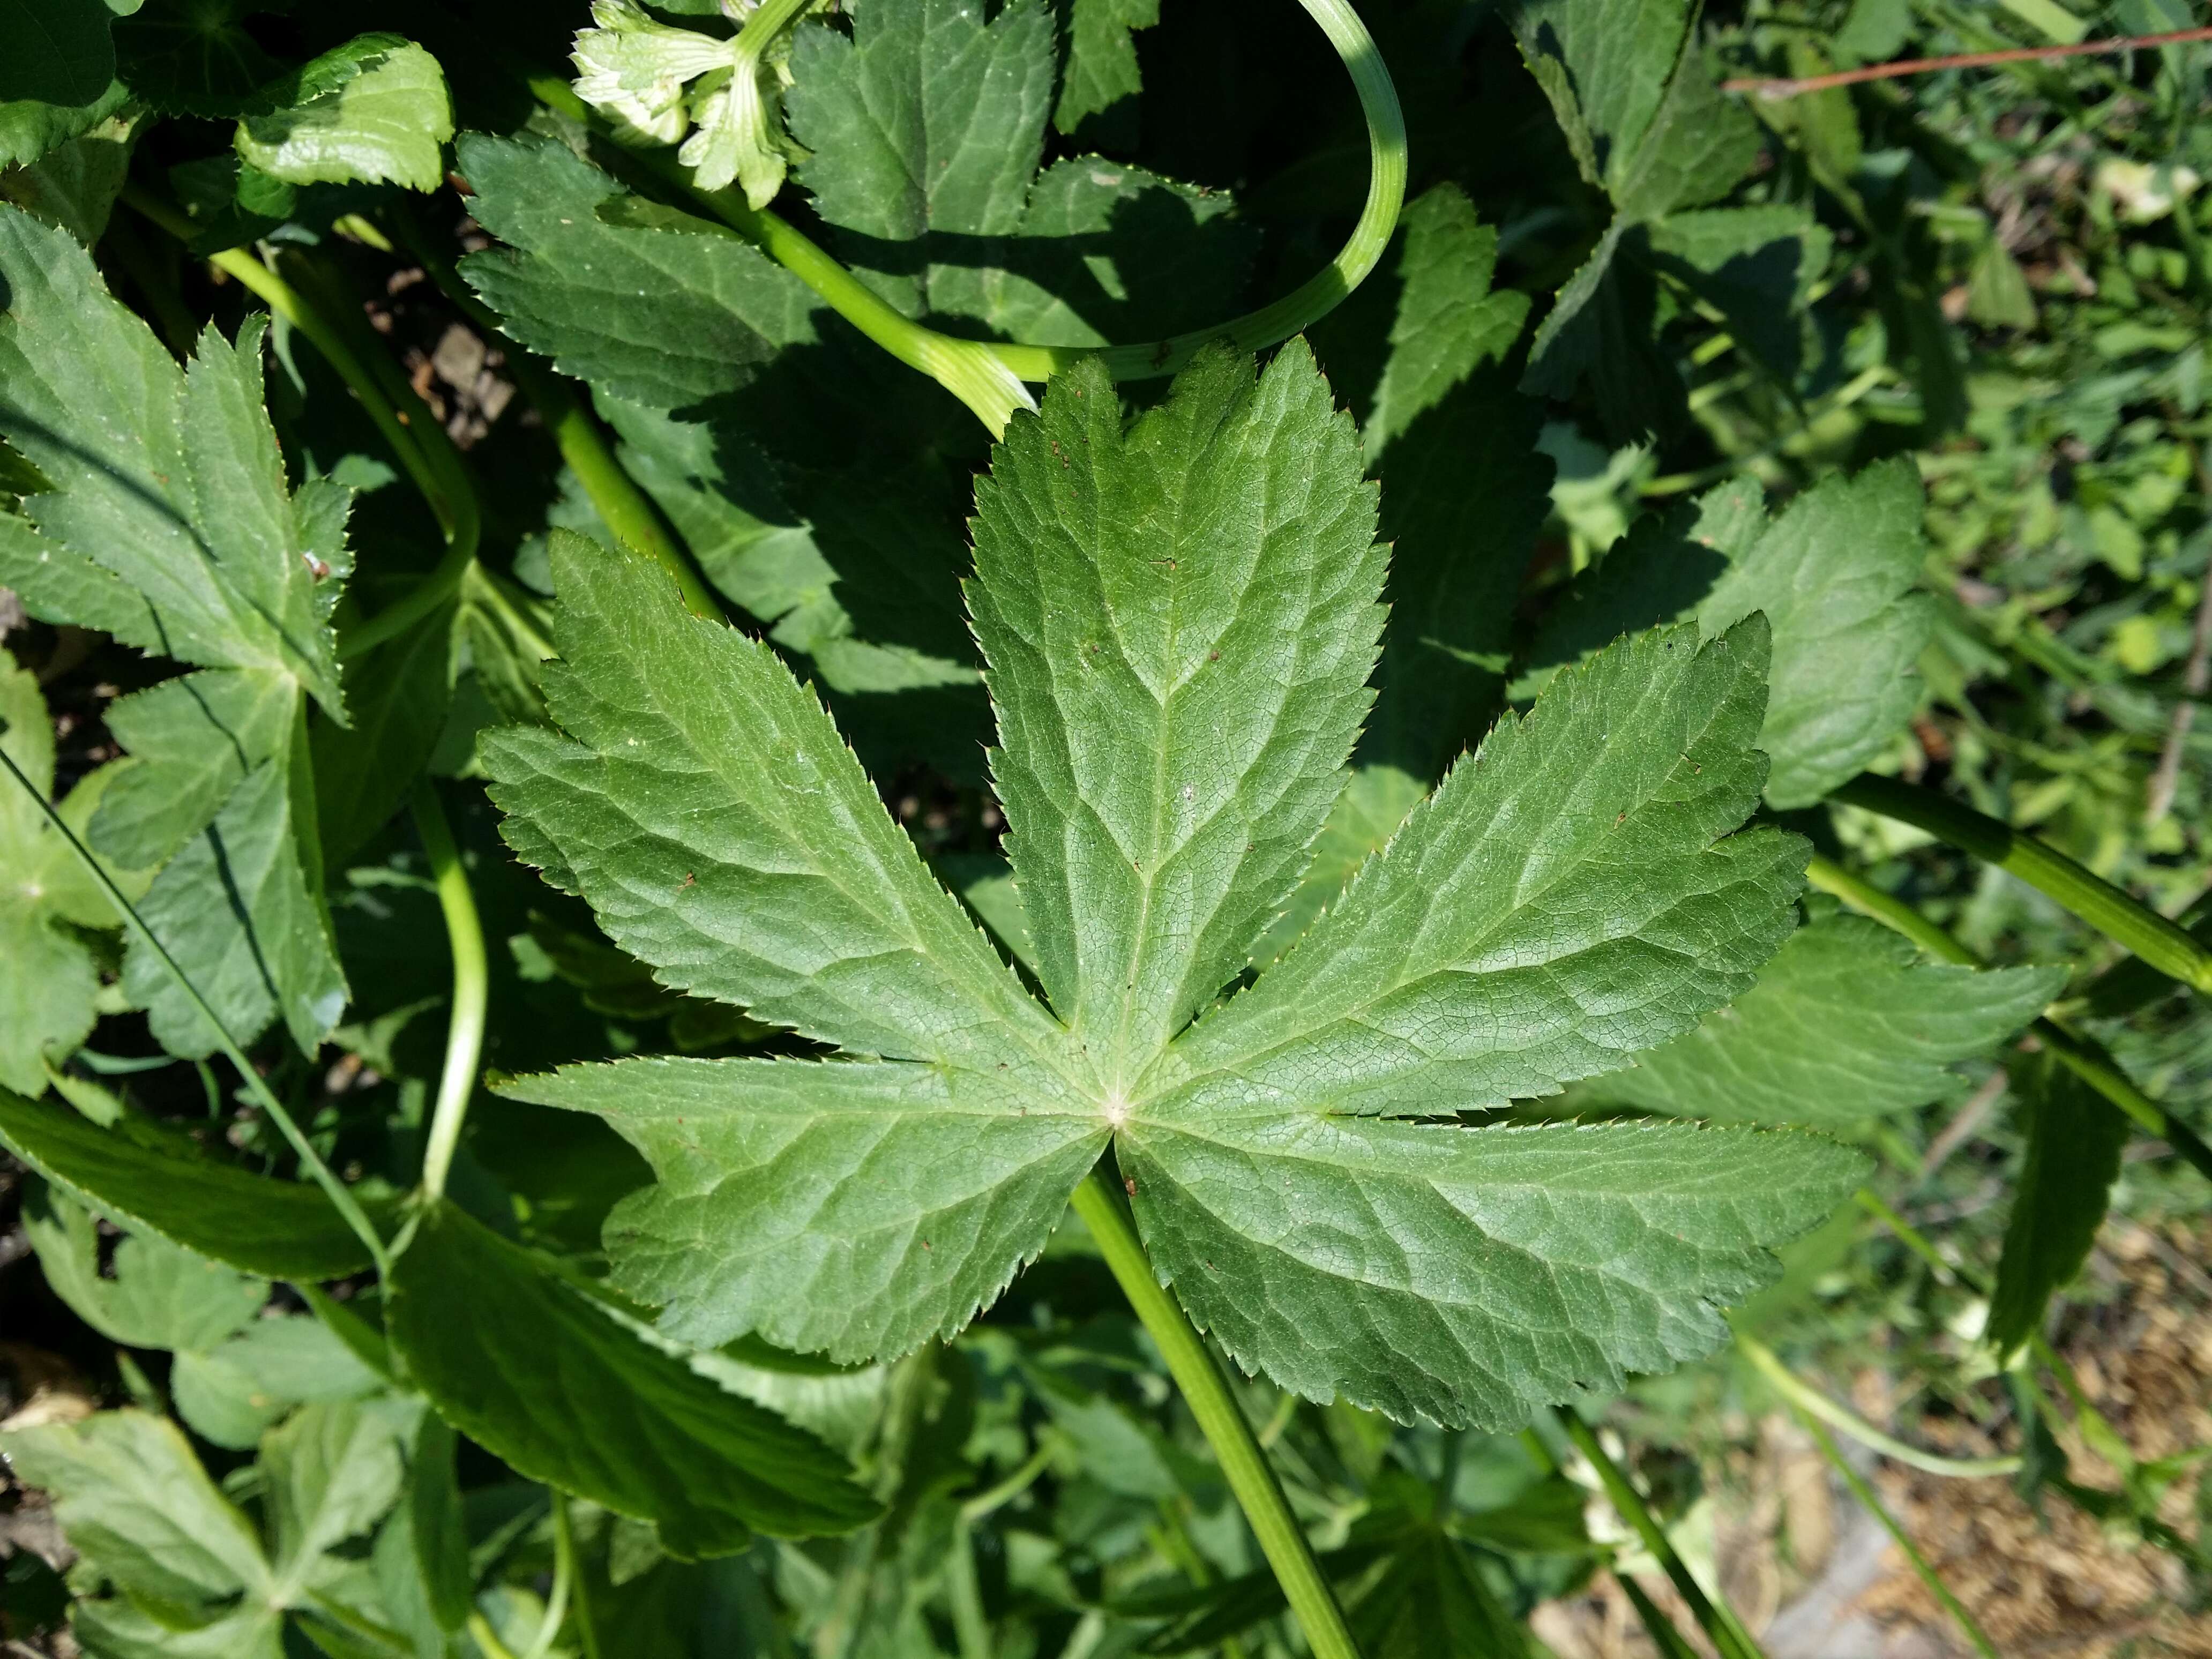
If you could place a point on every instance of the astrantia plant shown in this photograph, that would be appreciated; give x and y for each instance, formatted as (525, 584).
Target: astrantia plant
(798, 856)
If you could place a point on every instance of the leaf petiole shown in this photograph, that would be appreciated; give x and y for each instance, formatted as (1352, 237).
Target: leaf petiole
(1807, 1400)
(2164, 945)
(465, 1030)
(341, 1199)
(1205, 1391)
(1717, 1619)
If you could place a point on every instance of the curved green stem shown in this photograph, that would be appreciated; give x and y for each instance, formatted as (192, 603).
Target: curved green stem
(465, 1029)
(2158, 942)
(1717, 1619)
(2083, 1056)
(564, 1576)
(1866, 1495)
(342, 1200)
(1806, 1399)
(988, 377)
(1206, 1391)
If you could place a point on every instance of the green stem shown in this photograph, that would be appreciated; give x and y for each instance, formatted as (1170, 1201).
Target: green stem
(1670, 1642)
(969, 1627)
(626, 509)
(564, 1576)
(464, 1029)
(482, 1634)
(2083, 1056)
(341, 1200)
(1715, 1618)
(1809, 1399)
(1865, 1493)
(987, 377)
(1206, 1391)
(993, 1499)
(2158, 942)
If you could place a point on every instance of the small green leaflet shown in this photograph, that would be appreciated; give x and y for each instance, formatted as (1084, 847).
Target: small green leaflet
(1102, 58)
(1838, 577)
(923, 132)
(49, 978)
(183, 537)
(192, 1575)
(372, 110)
(517, 1358)
(1845, 1024)
(2074, 1137)
(1570, 895)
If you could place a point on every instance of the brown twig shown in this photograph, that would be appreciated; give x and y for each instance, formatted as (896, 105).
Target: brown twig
(2196, 679)
(1959, 60)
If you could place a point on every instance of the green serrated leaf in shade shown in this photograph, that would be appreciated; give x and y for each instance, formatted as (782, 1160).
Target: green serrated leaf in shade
(925, 131)
(2074, 1138)
(31, 128)
(1756, 265)
(49, 980)
(569, 284)
(75, 184)
(1102, 58)
(537, 1371)
(1431, 1602)
(372, 110)
(1572, 894)
(1180, 624)
(230, 1393)
(59, 51)
(1845, 1024)
(146, 1176)
(399, 697)
(170, 524)
(198, 58)
(155, 1295)
(1837, 578)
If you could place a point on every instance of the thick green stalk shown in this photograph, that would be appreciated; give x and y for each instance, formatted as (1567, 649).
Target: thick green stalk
(1805, 1399)
(1866, 1495)
(342, 1200)
(1715, 1618)
(465, 1028)
(1205, 1391)
(2083, 1056)
(987, 377)
(2158, 942)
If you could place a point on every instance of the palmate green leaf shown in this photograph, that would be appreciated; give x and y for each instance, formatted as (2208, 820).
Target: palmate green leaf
(1837, 576)
(170, 524)
(1845, 1024)
(537, 1371)
(48, 978)
(925, 131)
(372, 110)
(2074, 1139)
(1568, 896)
(1180, 625)
(149, 1177)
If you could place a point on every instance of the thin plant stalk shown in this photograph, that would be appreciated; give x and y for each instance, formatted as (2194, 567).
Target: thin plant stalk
(564, 1576)
(2162, 944)
(970, 1629)
(1205, 1391)
(615, 495)
(1805, 1399)
(341, 1199)
(1864, 1492)
(465, 1029)
(1715, 1617)
(1670, 1642)
(2083, 1056)
(988, 377)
